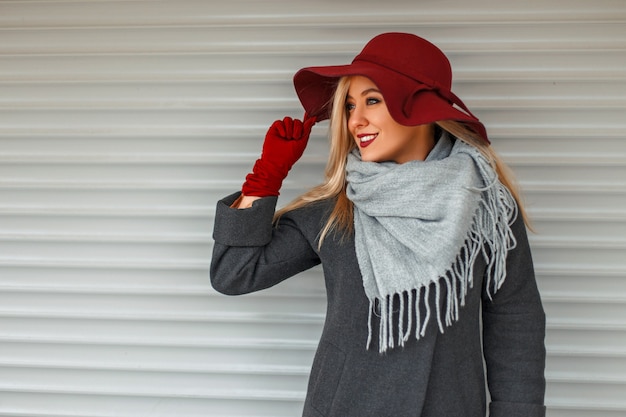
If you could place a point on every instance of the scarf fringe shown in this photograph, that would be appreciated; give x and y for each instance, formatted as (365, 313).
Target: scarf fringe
(489, 235)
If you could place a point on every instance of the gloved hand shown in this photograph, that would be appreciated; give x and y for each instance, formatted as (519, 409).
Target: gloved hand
(284, 144)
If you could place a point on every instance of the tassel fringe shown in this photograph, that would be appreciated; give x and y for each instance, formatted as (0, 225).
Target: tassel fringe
(491, 236)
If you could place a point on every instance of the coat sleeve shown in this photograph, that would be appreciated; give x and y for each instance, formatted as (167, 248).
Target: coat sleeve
(513, 337)
(252, 254)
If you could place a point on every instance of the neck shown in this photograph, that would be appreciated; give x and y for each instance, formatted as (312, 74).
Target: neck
(426, 142)
(423, 142)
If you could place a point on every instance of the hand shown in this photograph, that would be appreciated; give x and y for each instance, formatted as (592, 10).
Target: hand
(284, 144)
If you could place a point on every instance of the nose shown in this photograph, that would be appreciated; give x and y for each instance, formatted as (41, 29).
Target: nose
(356, 119)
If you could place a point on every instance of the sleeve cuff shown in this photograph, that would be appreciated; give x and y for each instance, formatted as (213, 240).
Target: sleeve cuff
(506, 409)
(247, 227)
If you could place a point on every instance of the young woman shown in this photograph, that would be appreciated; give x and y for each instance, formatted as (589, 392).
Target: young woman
(422, 239)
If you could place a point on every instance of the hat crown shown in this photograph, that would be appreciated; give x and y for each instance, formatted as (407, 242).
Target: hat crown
(413, 75)
(411, 56)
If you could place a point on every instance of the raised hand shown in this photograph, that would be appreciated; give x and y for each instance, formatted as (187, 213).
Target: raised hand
(284, 144)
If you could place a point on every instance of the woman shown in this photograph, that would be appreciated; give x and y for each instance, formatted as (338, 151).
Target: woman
(417, 229)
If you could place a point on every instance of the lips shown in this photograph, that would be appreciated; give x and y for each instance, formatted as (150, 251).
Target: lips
(366, 139)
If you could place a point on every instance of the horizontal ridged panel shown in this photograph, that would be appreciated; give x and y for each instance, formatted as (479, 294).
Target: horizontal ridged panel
(78, 13)
(121, 125)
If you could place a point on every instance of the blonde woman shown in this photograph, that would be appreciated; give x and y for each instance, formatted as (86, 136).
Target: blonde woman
(421, 235)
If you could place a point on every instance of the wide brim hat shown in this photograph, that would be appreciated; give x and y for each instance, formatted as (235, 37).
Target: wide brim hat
(413, 75)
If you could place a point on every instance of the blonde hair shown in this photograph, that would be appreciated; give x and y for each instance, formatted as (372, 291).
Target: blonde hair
(341, 144)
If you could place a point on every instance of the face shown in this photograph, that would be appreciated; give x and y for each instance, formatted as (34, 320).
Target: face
(379, 137)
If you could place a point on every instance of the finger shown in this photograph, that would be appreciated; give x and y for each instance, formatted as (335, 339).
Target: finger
(307, 117)
(279, 128)
(288, 125)
(276, 129)
(308, 124)
(297, 129)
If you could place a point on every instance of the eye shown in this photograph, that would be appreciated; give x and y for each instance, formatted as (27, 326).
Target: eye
(349, 107)
(372, 100)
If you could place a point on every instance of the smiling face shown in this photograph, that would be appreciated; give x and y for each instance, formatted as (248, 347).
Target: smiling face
(379, 137)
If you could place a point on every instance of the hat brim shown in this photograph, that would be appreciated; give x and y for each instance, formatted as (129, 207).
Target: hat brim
(409, 101)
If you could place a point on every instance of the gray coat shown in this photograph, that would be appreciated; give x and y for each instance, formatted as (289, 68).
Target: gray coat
(440, 375)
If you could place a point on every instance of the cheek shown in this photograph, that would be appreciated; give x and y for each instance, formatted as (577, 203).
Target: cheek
(350, 126)
(350, 131)
(405, 133)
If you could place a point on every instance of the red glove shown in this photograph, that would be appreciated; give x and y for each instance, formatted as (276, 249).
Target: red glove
(284, 144)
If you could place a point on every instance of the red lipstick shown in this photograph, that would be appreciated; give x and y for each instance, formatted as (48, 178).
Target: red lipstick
(366, 139)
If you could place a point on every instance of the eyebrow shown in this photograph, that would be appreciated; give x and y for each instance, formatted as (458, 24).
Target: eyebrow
(365, 92)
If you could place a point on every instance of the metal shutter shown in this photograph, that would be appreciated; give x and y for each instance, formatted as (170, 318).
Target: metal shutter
(122, 123)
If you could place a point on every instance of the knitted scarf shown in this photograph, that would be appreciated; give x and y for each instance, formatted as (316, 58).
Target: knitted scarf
(421, 225)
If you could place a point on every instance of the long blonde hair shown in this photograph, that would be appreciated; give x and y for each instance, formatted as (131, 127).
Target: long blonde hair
(341, 144)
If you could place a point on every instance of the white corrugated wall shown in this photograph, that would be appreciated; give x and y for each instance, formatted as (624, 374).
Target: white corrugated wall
(122, 123)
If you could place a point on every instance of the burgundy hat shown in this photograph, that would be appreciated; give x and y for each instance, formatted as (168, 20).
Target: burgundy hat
(413, 75)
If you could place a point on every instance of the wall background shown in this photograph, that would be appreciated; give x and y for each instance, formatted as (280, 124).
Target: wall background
(123, 122)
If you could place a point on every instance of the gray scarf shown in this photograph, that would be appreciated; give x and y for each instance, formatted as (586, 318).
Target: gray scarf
(421, 225)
